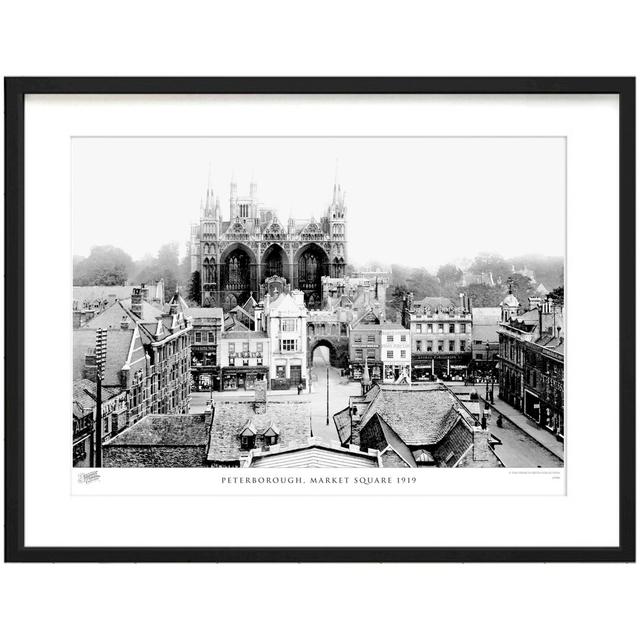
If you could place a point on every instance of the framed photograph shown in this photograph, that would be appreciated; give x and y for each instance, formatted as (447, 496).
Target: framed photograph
(320, 319)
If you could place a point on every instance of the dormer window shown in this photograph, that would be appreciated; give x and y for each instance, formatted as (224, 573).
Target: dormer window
(247, 442)
(270, 440)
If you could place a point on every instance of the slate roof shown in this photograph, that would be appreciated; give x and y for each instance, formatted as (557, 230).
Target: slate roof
(92, 294)
(244, 335)
(420, 416)
(204, 312)
(112, 316)
(230, 417)
(165, 430)
(118, 343)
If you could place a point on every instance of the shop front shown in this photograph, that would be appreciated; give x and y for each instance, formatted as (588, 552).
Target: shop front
(375, 370)
(394, 370)
(426, 367)
(244, 378)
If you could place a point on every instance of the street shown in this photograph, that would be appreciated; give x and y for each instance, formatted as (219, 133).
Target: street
(517, 449)
(339, 391)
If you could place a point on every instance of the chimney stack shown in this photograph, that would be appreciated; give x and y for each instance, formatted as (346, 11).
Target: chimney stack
(136, 301)
(145, 292)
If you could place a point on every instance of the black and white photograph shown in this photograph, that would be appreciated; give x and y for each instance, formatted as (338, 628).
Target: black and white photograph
(319, 302)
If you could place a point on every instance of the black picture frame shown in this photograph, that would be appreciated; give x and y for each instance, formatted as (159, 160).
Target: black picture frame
(15, 91)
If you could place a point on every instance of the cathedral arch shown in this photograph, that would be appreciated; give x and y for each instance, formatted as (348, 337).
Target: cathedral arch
(275, 262)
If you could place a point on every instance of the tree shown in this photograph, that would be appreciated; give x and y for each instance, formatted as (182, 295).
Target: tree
(490, 263)
(105, 266)
(482, 295)
(557, 296)
(522, 287)
(449, 274)
(394, 304)
(195, 287)
(422, 283)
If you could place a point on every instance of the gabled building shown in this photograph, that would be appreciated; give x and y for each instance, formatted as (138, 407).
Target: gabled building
(147, 355)
(416, 426)
(241, 426)
(484, 339)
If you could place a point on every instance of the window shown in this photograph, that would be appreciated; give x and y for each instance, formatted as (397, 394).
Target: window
(198, 336)
(211, 337)
(287, 345)
(245, 347)
(452, 345)
(429, 345)
(247, 442)
(371, 354)
(358, 354)
(357, 338)
(403, 353)
(390, 354)
(452, 328)
(371, 338)
(463, 345)
(389, 338)
(430, 328)
(403, 337)
(259, 347)
(463, 328)
(478, 356)
(418, 328)
(288, 324)
(418, 345)
(281, 371)
(440, 345)
(232, 349)
(440, 328)
(270, 440)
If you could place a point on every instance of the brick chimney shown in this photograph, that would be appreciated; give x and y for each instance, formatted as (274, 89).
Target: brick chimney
(260, 400)
(145, 292)
(136, 301)
(90, 366)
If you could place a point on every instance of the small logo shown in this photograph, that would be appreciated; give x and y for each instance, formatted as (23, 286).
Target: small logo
(90, 476)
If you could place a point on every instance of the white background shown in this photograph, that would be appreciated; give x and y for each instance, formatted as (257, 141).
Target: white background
(488, 38)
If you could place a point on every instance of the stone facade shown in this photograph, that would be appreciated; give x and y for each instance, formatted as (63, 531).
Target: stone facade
(235, 256)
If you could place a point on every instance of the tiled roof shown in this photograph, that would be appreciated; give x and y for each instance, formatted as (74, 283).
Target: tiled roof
(118, 344)
(342, 420)
(112, 316)
(420, 416)
(292, 418)
(204, 312)
(393, 440)
(85, 295)
(245, 335)
(165, 430)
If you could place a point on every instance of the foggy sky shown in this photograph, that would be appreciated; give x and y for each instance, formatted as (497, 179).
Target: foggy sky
(413, 201)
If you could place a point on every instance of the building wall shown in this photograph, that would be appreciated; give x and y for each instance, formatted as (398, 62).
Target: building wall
(288, 344)
(395, 352)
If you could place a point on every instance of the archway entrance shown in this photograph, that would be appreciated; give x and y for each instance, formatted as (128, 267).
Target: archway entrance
(275, 262)
(312, 263)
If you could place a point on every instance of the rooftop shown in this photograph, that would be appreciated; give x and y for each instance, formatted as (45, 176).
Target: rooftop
(165, 430)
(292, 419)
(419, 415)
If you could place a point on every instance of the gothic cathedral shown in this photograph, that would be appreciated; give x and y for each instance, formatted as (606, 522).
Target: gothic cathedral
(235, 256)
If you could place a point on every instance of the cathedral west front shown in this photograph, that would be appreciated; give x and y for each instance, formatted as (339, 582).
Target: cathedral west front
(236, 255)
